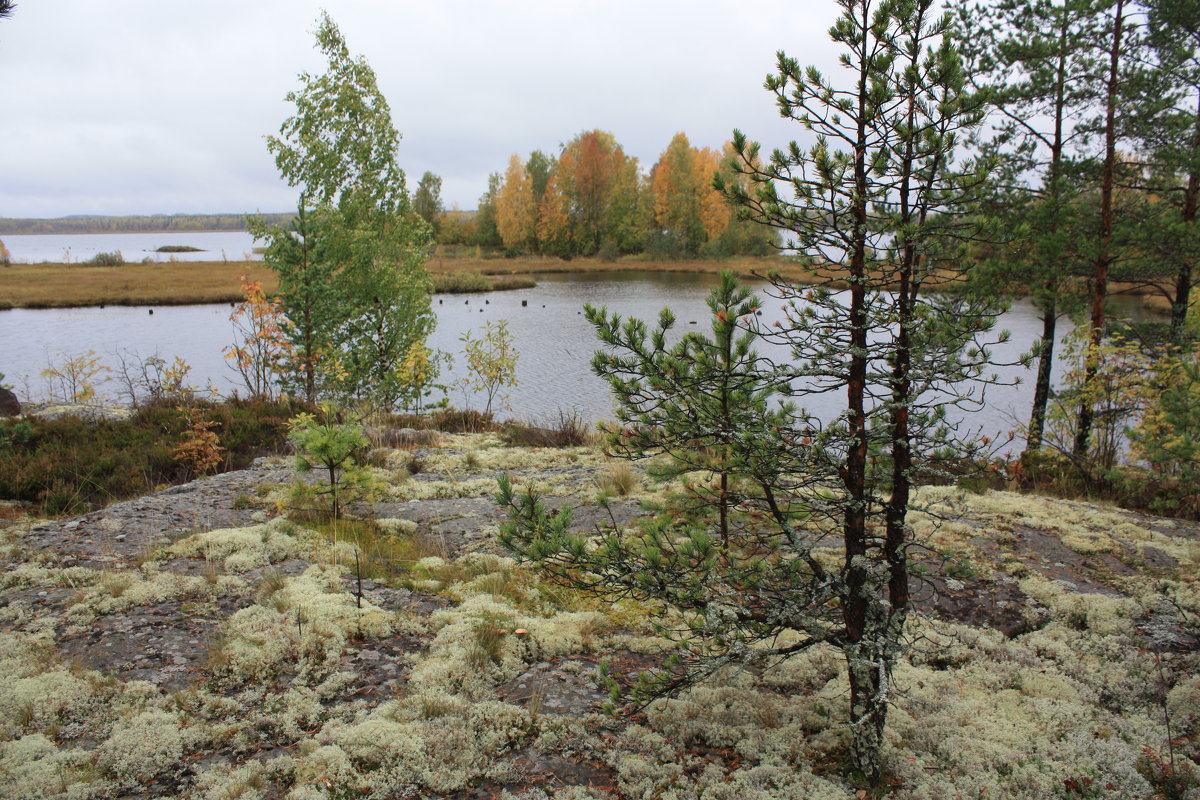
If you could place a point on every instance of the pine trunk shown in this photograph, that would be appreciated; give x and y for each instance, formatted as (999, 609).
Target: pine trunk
(1104, 258)
(1041, 386)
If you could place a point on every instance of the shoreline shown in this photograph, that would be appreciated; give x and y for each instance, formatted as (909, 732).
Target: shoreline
(49, 285)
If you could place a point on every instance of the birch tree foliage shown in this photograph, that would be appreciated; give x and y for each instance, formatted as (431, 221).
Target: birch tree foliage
(516, 214)
(353, 282)
(340, 145)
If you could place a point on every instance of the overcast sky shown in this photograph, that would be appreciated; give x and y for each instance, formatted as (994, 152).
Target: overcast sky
(160, 106)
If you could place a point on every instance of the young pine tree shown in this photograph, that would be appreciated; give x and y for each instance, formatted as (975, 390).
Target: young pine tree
(878, 204)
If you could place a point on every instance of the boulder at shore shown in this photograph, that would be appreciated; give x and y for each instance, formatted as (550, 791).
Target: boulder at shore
(9, 405)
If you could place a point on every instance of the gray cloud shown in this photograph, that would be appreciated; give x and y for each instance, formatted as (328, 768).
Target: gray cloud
(139, 107)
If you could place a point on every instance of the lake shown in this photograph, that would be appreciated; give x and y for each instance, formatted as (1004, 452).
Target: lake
(553, 339)
(73, 248)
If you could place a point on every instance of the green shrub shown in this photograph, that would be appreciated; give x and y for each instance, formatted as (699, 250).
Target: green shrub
(70, 465)
(113, 259)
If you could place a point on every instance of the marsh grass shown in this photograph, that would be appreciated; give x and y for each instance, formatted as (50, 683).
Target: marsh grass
(487, 640)
(619, 479)
(472, 281)
(49, 285)
(181, 283)
(571, 431)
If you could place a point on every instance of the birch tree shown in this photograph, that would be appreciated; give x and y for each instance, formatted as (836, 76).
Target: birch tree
(352, 278)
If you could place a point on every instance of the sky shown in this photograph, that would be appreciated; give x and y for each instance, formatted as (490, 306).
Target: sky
(129, 107)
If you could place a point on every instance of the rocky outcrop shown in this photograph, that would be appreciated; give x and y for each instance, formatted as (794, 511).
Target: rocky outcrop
(9, 405)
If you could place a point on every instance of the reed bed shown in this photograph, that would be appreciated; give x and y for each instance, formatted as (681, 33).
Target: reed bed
(176, 283)
(48, 285)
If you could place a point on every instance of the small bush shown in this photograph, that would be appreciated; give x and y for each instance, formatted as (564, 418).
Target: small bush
(570, 432)
(113, 259)
(468, 421)
(69, 465)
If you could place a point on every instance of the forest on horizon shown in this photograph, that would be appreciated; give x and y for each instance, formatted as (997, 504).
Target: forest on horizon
(154, 223)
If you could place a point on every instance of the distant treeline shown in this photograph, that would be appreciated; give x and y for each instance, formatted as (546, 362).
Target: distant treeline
(150, 224)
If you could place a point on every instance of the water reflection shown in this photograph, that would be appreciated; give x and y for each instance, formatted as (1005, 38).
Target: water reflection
(554, 340)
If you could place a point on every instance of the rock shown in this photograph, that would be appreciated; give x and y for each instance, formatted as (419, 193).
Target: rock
(9, 405)
(86, 411)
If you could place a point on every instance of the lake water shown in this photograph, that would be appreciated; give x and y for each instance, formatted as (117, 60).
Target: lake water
(553, 339)
(73, 248)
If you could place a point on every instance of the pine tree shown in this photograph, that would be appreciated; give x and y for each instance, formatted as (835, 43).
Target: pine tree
(878, 203)
(1170, 134)
(1119, 44)
(1036, 62)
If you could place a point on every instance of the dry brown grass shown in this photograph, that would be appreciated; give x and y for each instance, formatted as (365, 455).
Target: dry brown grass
(525, 265)
(67, 285)
(179, 283)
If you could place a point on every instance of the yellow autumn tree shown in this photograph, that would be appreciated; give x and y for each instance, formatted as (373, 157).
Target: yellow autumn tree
(516, 214)
(715, 211)
(677, 203)
(554, 220)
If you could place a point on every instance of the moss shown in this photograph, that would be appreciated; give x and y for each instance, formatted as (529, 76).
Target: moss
(454, 663)
(141, 748)
(34, 768)
(442, 490)
(1010, 721)
(221, 782)
(397, 527)
(243, 549)
(444, 754)
(1097, 612)
(304, 630)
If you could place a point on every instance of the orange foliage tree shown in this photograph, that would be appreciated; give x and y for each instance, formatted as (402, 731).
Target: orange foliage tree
(261, 345)
(598, 179)
(688, 211)
(595, 200)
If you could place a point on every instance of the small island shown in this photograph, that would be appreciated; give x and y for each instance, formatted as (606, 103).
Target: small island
(178, 248)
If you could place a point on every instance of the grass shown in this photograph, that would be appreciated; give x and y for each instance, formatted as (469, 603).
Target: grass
(468, 281)
(180, 283)
(383, 557)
